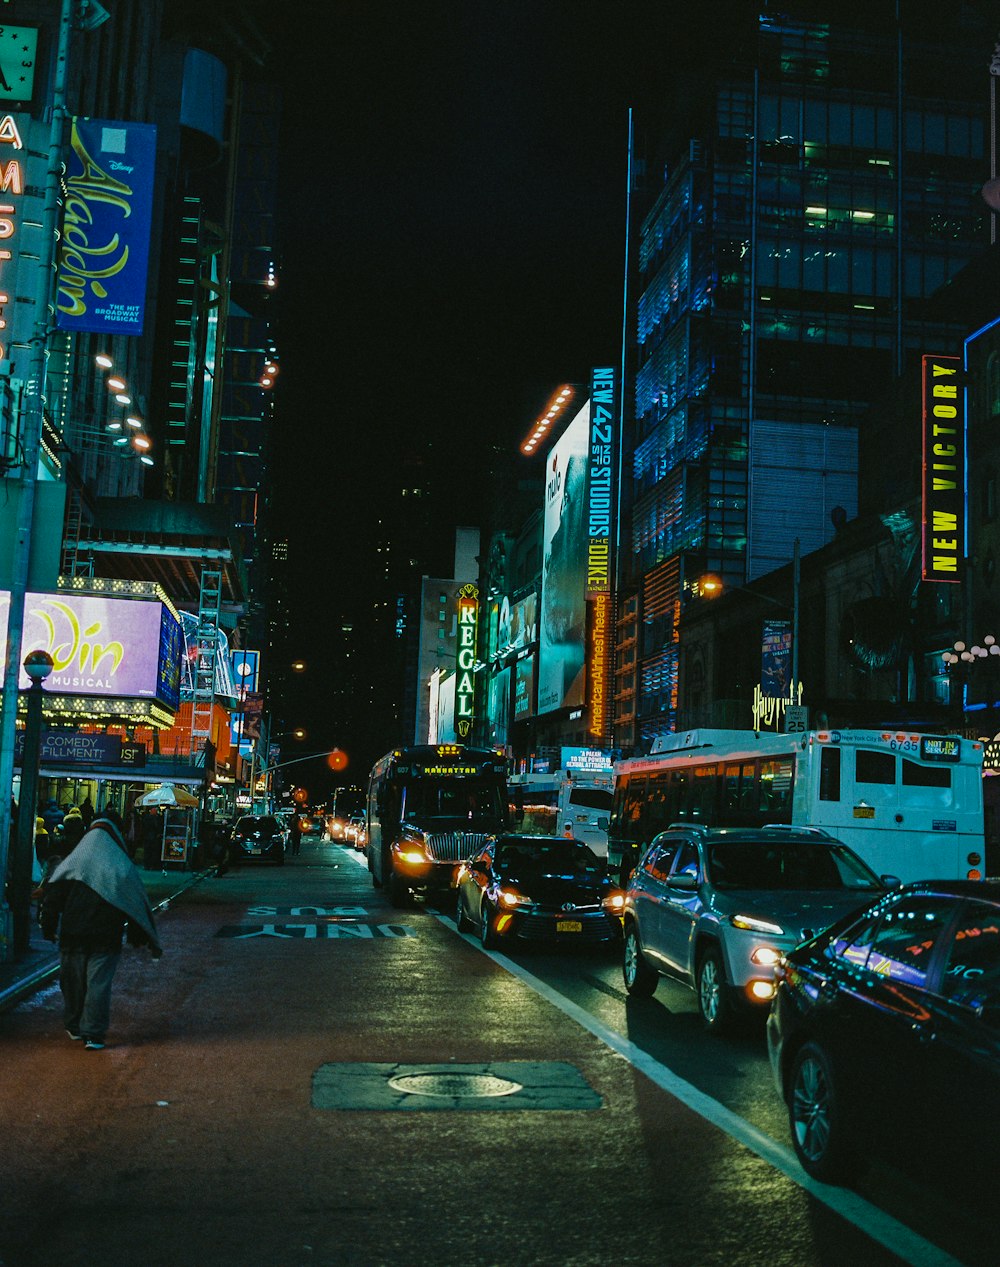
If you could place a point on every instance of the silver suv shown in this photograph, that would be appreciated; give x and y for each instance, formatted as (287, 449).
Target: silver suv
(716, 907)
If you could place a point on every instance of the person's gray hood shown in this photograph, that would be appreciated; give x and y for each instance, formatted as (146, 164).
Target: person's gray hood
(100, 862)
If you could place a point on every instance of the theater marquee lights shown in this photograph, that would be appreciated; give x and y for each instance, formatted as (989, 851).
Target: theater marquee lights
(465, 684)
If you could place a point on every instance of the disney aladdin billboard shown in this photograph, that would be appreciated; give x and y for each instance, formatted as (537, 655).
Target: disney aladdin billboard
(107, 207)
(107, 647)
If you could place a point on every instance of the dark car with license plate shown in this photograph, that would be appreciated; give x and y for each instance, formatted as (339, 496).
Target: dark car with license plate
(538, 889)
(259, 838)
(884, 1033)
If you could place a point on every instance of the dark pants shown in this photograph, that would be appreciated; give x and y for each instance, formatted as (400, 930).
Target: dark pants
(85, 977)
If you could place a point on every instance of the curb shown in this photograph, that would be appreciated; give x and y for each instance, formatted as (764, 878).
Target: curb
(40, 976)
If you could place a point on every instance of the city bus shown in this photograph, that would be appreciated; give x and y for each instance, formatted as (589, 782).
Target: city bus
(428, 808)
(546, 804)
(911, 805)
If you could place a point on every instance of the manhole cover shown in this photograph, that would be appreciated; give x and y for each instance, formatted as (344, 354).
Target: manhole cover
(453, 1086)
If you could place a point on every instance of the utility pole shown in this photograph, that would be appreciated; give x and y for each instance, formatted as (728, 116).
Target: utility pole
(31, 444)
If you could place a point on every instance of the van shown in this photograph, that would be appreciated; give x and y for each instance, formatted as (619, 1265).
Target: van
(546, 804)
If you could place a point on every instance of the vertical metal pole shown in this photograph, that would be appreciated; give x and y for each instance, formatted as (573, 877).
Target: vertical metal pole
(21, 872)
(795, 623)
(32, 440)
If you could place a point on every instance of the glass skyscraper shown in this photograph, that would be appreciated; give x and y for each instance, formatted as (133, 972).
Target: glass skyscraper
(782, 273)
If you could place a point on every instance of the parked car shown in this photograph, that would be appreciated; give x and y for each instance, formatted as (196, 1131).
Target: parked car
(885, 1031)
(716, 907)
(260, 836)
(355, 833)
(538, 888)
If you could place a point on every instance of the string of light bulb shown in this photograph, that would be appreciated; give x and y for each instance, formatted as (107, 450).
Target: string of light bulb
(128, 431)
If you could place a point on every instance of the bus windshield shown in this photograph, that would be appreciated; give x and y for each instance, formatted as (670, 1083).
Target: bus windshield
(481, 803)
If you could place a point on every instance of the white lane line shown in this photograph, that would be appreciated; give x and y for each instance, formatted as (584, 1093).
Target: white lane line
(880, 1226)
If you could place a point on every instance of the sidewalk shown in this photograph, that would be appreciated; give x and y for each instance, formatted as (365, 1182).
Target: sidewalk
(40, 964)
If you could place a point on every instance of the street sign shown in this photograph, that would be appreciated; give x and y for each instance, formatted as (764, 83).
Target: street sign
(796, 719)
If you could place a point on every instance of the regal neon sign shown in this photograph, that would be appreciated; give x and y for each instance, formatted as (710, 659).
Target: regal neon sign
(465, 685)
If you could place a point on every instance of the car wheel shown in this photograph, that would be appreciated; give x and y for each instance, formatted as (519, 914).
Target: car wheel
(399, 892)
(461, 918)
(816, 1116)
(640, 976)
(487, 930)
(714, 1002)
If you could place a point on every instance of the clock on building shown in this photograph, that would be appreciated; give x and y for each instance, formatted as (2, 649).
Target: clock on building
(18, 47)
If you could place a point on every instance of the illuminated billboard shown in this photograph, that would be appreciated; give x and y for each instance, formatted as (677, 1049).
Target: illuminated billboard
(106, 647)
(562, 624)
(107, 207)
(499, 708)
(524, 687)
(943, 500)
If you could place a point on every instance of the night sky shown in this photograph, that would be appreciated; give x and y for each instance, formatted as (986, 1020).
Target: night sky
(452, 228)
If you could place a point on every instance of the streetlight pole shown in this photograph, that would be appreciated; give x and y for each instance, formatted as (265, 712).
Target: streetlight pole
(38, 666)
(31, 444)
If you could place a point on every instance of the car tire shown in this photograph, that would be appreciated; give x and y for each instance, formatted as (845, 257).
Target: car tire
(715, 1004)
(462, 921)
(399, 893)
(816, 1116)
(640, 976)
(487, 934)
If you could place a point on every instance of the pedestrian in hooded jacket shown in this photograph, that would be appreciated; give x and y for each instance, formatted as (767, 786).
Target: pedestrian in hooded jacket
(72, 831)
(95, 897)
(53, 816)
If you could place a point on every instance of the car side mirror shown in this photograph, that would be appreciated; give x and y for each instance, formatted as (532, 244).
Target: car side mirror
(683, 882)
(479, 867)
(891, 881)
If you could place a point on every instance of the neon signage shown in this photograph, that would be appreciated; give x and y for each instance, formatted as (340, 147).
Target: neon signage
(943, 499)
(465, 685)
(600, 480)
(11, 184)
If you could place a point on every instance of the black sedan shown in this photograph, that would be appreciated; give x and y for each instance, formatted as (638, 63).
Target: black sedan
(538, 888)
(884, 1034)
(259, 837)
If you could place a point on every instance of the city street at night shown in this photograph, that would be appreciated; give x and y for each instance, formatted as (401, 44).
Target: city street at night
(242, 1113)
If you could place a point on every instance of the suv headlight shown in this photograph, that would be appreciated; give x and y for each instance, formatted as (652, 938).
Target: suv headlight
(614, 903)
(511, 897)
(754, 925)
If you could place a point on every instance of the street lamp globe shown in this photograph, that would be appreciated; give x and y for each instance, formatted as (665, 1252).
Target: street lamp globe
(38, 665)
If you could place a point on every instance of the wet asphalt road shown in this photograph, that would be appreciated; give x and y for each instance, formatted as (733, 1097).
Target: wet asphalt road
(243, 1116)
